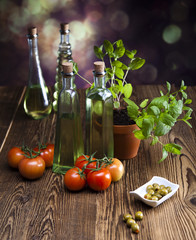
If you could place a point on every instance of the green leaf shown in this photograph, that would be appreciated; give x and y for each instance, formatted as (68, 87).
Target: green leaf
(188, 101)
(130, 54)
(132, 109)
(168, 87)
(147, 126)
(144, 103)
(182, 84)
(117, 63)
(124, 67)
(127, 89)
(173, 148)
(109, 72)
(153, 110)
(184, 94)
(116, 104)
(119, 43)
(165, 154)
(161, 129)
(167, 119)
(154, 141)
(175, 109)
(136, 63)
(159, 102)
(138, 134)
(119, 73)
(119, 52)
(108, 46)
(75, 67)
(113, 92)
(120, 85)
(187, 123)
(161, 92)
(98, 52)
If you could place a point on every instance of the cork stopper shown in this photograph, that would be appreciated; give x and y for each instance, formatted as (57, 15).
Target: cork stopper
(32, 31)
(67, 67)
(64, 27)
(99, 66)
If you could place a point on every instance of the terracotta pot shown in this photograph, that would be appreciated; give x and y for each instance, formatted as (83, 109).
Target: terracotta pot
(126, 145)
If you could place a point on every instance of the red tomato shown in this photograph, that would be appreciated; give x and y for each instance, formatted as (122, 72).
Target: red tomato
(116, 169)
(82, 161)
(99, 180)
(74, 180)
(47, 153)
(14, 156)
(32, 168)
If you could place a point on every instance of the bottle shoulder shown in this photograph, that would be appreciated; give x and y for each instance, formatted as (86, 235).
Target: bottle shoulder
(99, 94)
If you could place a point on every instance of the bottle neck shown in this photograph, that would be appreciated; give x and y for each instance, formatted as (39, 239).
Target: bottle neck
(35, 73)
(64, 38)
(99, 80)
(68, 81)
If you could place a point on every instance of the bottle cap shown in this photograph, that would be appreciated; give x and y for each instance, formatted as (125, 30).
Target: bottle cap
(32, 31)
(99, 67)
(64, 27)
(67, 67)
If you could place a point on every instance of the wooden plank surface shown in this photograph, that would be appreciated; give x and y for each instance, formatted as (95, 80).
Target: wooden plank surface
(44, 209)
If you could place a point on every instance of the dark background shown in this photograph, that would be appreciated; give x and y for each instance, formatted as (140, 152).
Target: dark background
(163, 32)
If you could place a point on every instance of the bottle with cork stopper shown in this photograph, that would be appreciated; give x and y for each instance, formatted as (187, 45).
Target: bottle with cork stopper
(64, 55)
(69, 139)
(37, 102)
(99, 116)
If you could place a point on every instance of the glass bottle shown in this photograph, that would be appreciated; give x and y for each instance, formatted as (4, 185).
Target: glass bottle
(37, 100)
(69, 141)
(99, 116)
(64, 55)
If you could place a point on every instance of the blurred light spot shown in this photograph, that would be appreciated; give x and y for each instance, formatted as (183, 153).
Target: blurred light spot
(34, 6)
(119, 20)
(50, 27)
(78, 30)
(171, 34)
(148, 73)
(94, 16)
(179, 12)
(174, 60)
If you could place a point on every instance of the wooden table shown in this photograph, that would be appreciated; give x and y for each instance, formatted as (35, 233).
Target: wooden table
(44, 209)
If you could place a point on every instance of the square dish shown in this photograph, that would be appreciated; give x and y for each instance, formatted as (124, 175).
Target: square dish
(141, 191)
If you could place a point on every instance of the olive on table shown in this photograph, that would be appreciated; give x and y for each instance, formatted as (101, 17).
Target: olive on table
(126, 217)
(163, 192)
(135, 228)
(139, 215)
(154, 198)
(169, 189)
(130, 221)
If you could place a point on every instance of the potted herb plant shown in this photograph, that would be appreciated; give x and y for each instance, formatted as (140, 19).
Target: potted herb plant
(148, 120)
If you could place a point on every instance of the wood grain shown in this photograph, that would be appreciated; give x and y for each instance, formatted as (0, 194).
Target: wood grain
(44, 209)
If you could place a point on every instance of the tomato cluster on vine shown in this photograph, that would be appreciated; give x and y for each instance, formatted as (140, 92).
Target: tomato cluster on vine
(31, 163)
(96, 173)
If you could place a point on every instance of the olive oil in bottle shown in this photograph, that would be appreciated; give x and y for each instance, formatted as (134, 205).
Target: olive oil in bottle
(99, 116)
(36, 101)
(69, 140)
(64, 55)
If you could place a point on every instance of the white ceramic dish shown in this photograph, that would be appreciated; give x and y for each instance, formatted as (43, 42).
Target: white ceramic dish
(141, 191)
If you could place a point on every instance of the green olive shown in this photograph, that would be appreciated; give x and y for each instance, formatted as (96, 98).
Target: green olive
(158, 195)
(169, 189)
(154, 198)
(147, 196)
(126, 217)
(149, 187)
(139, 215)
(156, 186)
(162, 186)
(135, 228)
(130, 221)
(150, 191)
(163, 192)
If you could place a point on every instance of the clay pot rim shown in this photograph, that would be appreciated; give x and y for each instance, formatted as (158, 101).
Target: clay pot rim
(125, 129)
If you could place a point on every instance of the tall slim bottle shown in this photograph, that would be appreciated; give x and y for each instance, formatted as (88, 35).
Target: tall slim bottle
(99, 116)
(64, 55)
(69, 141)
(37, 102)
